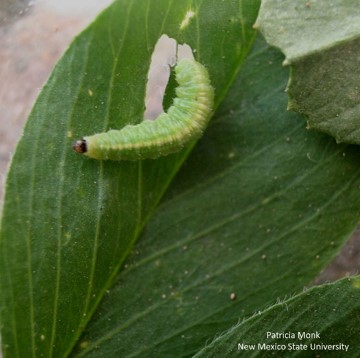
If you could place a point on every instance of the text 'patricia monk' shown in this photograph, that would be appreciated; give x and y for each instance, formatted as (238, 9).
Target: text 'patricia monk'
(293, 335)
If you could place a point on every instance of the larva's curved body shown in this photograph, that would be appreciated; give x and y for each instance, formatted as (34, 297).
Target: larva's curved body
(184, 122)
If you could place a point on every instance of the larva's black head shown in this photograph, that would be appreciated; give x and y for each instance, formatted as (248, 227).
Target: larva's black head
(80, 146)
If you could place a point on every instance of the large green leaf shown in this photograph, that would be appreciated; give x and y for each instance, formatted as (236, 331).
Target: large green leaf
(321, 322)
(258, 210)
(69, 222)
(321, 40)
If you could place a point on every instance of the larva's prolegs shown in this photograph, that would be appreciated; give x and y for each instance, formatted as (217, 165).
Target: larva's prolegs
(184, 122)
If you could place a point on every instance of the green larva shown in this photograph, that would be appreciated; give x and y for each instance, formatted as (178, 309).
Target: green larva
(183, 123)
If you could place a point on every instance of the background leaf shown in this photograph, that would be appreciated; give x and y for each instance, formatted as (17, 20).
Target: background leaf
(301, 28)
(331, 310)
(324, 53)
(69, 222)
(260, 207)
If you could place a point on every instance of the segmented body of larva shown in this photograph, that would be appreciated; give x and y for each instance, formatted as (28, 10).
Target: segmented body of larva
(183, 123)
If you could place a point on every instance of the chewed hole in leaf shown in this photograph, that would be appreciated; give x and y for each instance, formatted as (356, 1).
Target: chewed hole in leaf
(160, 88)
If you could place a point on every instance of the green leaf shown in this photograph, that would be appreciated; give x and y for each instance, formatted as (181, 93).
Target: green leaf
(301, 28)
(324, 56)
(260, 207)
(68, 221)
(329, 315)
